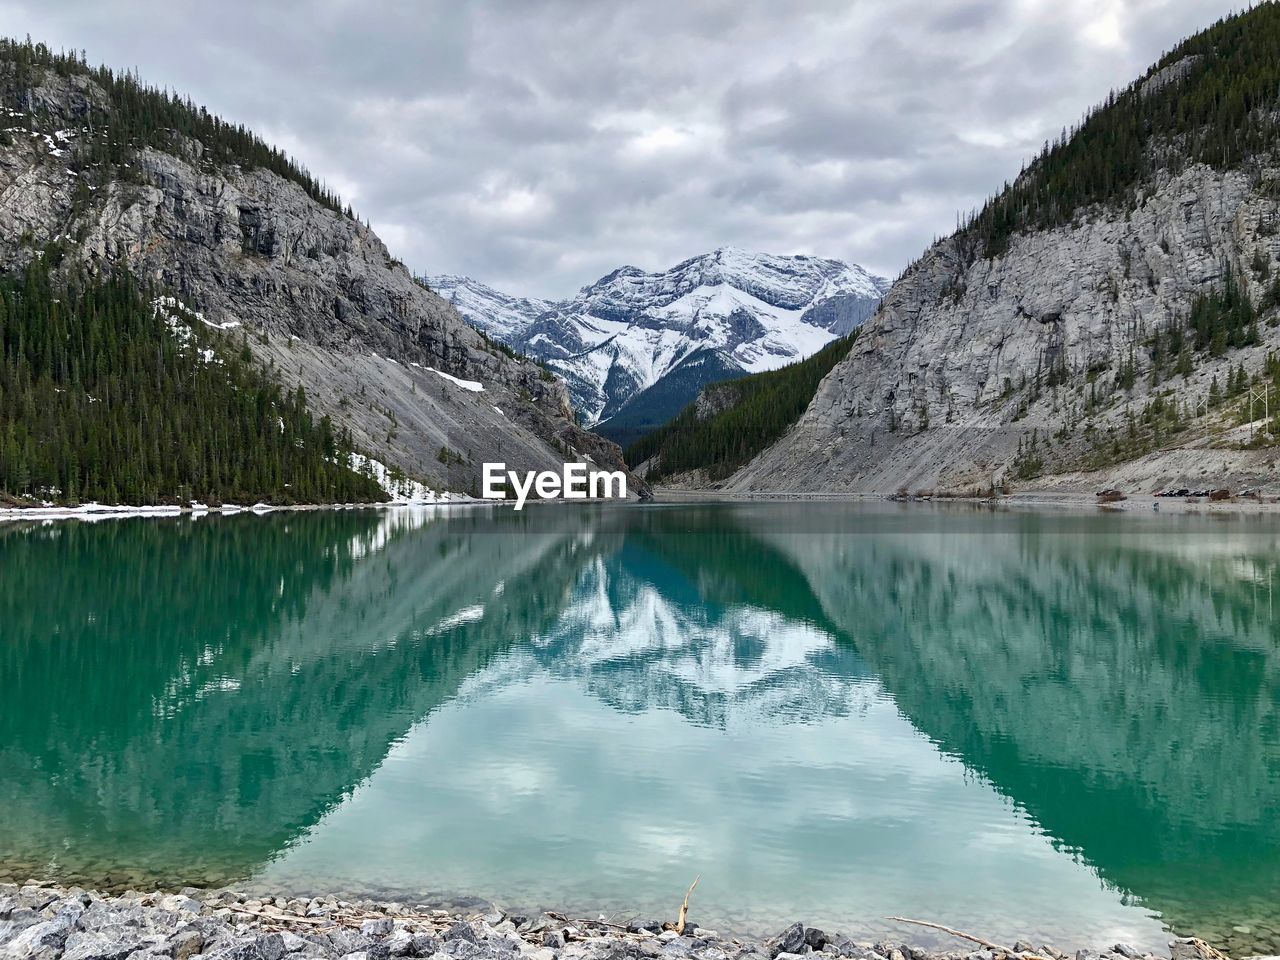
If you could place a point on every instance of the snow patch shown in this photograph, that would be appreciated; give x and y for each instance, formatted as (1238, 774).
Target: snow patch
(175, 315)
(475, 386)
(399, 488)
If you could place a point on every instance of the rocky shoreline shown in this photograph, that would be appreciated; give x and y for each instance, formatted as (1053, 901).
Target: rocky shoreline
(41, 922)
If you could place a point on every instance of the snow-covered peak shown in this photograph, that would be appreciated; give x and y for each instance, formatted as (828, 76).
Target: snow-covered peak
(624, 334)
(789, 282)
(498, 314)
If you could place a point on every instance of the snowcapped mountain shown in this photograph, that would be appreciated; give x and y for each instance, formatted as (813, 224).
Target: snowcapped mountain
(497, 314)
(636, 347)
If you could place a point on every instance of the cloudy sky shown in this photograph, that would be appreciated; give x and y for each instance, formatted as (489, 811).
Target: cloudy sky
(538, 144)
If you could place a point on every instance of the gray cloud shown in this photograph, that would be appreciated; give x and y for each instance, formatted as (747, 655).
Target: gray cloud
(537, 145)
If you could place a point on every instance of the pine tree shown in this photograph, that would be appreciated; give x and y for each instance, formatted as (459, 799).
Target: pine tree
(101, 400)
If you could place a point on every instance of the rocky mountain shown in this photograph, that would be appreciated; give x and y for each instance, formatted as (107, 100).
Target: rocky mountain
(101, 173)
(636, 347)
(1102, 320)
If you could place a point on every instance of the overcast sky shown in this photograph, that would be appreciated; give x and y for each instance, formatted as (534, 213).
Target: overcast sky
(538, 144)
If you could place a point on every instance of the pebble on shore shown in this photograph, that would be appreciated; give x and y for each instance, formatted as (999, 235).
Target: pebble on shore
(40, 922)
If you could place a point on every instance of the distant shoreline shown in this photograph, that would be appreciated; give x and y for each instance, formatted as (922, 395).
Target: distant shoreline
(1029, 501)
(97, 511)
(1048, 500)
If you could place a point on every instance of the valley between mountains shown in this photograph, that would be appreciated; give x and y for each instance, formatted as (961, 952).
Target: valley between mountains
(1109, 317)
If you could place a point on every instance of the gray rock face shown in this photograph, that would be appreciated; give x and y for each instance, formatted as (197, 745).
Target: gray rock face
(307, 290)
(938, 391)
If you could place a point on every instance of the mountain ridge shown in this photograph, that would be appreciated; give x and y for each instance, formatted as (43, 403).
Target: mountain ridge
(622, 335)
(116, 175)
(1079, 331)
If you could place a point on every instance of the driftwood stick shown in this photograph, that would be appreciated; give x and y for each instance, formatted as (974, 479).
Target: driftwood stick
(584, 922)
(956, 933)
(278, 917)
(684, 907)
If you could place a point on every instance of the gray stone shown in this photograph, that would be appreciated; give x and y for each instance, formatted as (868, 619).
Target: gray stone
(268, 946)
(271, 946)
(461, 948)
(40, 941)
(179, 903)
(846, 947)
(294, 943)
(377, 928)
(99, 946)
(424, 944)
(1126, 951)
(150, 952)
(37, 898)
(186, 943)
(554, 939)
(815, 938)
(347, 941)
(1189, 948)
(683, 946)
(399, 943)
(504, 943)
(789, 940)
(24, 916)
(461, 931)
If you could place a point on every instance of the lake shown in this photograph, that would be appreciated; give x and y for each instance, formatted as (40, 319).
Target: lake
(1059, 728)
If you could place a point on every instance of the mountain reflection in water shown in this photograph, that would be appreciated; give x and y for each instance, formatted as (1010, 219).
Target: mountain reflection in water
(1058, 728)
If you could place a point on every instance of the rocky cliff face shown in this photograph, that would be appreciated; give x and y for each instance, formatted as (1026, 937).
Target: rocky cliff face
(310, 292)
(971, 357)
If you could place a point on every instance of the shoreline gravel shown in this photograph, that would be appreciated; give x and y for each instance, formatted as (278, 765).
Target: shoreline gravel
(45, 922)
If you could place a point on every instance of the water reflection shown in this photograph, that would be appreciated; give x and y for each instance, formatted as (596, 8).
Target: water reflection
(1034, 727)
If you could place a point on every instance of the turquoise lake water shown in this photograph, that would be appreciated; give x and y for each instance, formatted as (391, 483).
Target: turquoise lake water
(1061, 728)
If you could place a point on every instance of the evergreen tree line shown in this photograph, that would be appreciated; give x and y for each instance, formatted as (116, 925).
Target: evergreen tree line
(765, 405)
(138, 115)
(1223, 113)
(101, 401)
(1222, 320)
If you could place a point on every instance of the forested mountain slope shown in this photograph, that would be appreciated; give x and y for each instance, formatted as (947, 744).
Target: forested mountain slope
(108, 396)
(99, 173)
(1102, 318)
(732, 421)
